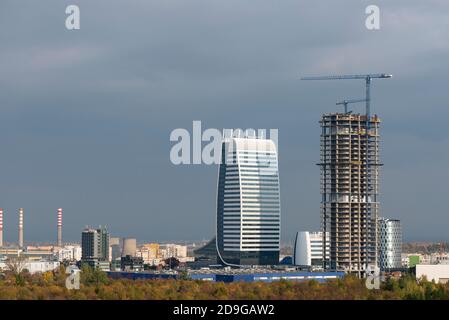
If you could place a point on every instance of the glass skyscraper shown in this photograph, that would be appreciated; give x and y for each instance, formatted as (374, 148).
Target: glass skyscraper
(248, 203)
(95, 244)
(390, 243)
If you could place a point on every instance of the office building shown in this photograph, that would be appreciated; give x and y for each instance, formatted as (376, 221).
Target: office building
(248, 203)
(349, 188)
(95, 246)
(308, 250)
(390, 244)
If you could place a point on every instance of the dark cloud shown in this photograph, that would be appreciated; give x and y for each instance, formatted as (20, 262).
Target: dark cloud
(86, 115)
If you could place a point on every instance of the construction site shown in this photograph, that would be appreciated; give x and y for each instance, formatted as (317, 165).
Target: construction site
(349, 162)
(349, 187)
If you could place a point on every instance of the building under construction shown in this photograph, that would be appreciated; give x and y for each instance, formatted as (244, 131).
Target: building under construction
(349, 187)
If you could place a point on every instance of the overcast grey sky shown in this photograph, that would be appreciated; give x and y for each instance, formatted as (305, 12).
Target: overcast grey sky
(85, 116)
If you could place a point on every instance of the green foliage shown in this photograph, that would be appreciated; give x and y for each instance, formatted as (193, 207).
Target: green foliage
(96, 285)
(93, 277)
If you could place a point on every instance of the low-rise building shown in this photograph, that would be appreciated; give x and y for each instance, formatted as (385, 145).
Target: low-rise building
(68, 253)
(149, 253)
(308, 250)
(97, 264)
(33, 266)
(436, 272)
(173, 251)
(129, 263)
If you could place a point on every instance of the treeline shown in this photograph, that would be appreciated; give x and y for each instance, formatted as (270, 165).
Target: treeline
(96, 285)
(425, 248)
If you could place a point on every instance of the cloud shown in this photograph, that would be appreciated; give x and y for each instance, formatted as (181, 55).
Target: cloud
(86, 115)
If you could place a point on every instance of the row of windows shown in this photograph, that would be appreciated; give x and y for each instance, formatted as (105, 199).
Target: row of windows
(255, 176)
(259, 231)
(274, 219)
(259, 150)
(267, 162)
(252, 223)
(261, 192)
(262, 224)
(256, 182)
(265, 178)
(257, 156)
(246, 151)
(246, 215)
(265, 199)
(260, 247)
(254, 228)
(260, 162)
(255, 199)
(253, 170)
(255, 152)
(260, 211)
(260, 204)
(254, 185)
(265, 188)
(247, 237)
(254, 235)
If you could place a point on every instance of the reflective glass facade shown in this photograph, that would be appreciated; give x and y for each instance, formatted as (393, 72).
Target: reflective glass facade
(248, 203)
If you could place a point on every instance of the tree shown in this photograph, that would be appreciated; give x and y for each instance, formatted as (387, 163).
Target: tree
(16, 265)
(90, 276)
(172, 262)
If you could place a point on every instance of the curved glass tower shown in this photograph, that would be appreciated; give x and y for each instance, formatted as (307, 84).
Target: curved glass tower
(248, 203)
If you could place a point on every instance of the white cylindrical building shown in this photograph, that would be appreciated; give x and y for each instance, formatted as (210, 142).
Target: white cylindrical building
(390, 243)
(308, 249)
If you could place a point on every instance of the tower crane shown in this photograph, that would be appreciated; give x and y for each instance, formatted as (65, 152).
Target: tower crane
(367, 78)
(346, 102)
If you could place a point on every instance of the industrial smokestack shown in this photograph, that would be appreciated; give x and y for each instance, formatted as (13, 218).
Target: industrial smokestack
(21, 228)
(1, 227)
(60, 227)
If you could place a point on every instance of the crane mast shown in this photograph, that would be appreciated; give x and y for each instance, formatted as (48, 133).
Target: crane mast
(346, 102)
(367, 100)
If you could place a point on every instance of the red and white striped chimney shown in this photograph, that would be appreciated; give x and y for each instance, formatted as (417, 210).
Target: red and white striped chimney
(60, 227)
(21, 228)
(1, 227)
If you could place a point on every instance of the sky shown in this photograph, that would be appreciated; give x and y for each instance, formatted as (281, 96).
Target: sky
(86, 115)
